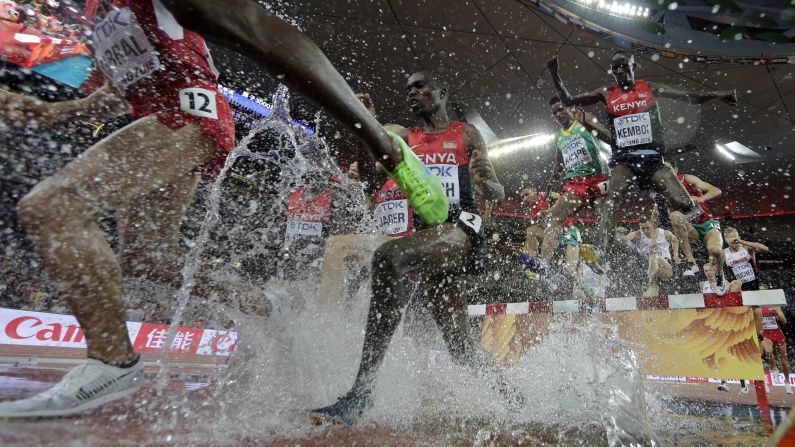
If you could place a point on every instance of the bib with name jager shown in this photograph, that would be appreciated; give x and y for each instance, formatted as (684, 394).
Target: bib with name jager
(393, 215)
(446, 155)
(306, 215)
(740, 262)
(634, 119)
(123, 51)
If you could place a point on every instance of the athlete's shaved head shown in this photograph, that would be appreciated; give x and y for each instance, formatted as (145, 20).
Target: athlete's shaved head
(622, 67)
(426, 93)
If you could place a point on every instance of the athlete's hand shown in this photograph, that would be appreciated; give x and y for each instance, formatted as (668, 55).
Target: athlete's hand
(481, 167)
(552, 64)
(368, 103)
(697, 199)
(730, 97)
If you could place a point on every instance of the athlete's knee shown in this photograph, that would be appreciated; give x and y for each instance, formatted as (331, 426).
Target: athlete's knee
(386, 257)
(678, 219)
(48, 206)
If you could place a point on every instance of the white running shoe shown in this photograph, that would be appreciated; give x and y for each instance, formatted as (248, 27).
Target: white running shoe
(767, 388)
(692, 269)
(85, 387)
(723, 386)
(788, 387)
(744, 388)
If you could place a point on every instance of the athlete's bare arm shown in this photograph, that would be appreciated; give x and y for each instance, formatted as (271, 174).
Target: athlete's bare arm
(709, 191)
(557, 170)
(755, 246)
(288, 55)
(22, 110)
(582, 99)
(780, 315)
(633, 236)
(593, 125)
(480, 165)
(664, 91)
(674, 241)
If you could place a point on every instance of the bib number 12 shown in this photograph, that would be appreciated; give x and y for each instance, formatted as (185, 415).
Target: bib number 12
(198, 102)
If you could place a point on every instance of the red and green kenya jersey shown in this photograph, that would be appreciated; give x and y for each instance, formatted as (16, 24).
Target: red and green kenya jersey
(580, 152)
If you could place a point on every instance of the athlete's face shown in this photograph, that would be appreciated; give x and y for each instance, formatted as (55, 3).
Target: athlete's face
(423, 96)
(645, 227)
(563, 115)
(732, 237)
(623, 71)
(709, 271)
(528, 196)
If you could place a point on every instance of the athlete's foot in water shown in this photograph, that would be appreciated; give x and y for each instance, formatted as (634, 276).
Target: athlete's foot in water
(422, 189)
(346, 411)
(85, 387)
(594, 257)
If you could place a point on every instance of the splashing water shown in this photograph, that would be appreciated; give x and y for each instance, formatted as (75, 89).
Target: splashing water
(587, 390)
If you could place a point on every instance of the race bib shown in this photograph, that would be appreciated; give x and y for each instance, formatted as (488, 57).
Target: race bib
(298, 227)
(198, 102)
(695, 213)
(448, 176)
(471, 220)
(392, 217)
(744, 272)
(633, 130)
(576, 154)
(123, 51)
(769, 323)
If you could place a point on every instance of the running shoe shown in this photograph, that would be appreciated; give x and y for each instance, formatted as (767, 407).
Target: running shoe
(692, 270)
(788, 387)
(421, 188)
(346, 411)
(744, 387)
(85, 387)
(723, 386)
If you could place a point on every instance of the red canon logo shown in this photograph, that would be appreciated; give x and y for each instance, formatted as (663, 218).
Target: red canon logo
(21, 328)
(223, 342)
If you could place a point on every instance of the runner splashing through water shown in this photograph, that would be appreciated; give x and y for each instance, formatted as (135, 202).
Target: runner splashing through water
(637, 139)
(741, 256)
(457, 153)
(585, 176)
(768, 322)
(705, 226)
(147, 170)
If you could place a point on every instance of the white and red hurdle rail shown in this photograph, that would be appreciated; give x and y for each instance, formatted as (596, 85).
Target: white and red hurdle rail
(753, 298)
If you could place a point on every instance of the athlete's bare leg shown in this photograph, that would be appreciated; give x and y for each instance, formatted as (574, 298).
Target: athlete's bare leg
(782, 358)
(686, 233)
(713, 241)
(665, 182)
(59, 215)
(620, 179)
(567, 205)
(430, 253)
(533, 235)
(289, 55)
(149, 228)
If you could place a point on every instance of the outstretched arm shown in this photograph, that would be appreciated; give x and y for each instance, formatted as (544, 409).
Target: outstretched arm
(710, 191)
(480, 165)
(594, 126)
(727, 96)
(288, 55)
(756, 246)
(582, 99)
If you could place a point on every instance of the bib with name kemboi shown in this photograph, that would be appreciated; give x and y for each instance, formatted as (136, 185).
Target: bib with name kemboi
(634, 118)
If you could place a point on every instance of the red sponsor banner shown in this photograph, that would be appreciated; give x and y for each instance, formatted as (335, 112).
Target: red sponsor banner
(153, 337)
(26, 328)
